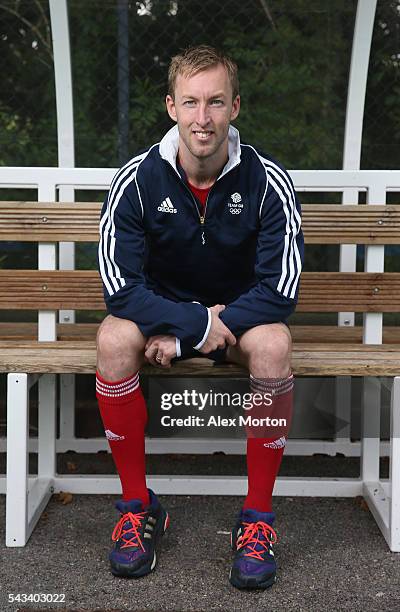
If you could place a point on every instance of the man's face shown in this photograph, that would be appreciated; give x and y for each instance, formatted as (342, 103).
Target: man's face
(203, 109)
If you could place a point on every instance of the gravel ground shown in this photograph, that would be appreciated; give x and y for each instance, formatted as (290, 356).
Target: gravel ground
(331, 555)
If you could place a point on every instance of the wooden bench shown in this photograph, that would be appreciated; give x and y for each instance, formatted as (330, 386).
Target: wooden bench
(31, 353)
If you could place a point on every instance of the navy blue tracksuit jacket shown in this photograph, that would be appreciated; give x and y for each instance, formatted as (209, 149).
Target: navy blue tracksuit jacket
(162, 263)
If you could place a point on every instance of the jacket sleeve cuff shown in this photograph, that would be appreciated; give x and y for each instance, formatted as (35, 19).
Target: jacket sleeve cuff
(204, 338)
(178, 347)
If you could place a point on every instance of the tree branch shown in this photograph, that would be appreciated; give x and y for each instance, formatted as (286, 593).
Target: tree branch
(46, 22)
(268, 13)
(30, 25)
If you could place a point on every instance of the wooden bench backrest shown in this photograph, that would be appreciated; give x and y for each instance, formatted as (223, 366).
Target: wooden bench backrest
(77, 289)
(82, 290)
(79, 222)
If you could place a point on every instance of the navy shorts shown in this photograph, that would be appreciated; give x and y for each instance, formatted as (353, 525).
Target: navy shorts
(219, 355)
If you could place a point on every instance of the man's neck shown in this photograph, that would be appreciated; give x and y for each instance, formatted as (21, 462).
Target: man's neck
(201, 173)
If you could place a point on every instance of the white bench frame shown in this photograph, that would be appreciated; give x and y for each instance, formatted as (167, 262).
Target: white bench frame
(27, 496)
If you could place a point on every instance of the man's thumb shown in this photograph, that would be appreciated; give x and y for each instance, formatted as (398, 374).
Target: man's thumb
(218, 308)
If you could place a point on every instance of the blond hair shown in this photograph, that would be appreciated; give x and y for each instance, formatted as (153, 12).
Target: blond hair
(196, 59)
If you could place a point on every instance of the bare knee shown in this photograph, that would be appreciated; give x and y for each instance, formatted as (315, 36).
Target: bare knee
(268, 350)
(120, 348)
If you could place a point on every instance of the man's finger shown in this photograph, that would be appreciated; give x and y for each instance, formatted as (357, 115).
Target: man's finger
(151, 355)
(149, 342)
(230, 339)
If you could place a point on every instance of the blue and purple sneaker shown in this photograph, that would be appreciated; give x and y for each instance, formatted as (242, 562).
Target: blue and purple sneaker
(252, 538)
(136, 535)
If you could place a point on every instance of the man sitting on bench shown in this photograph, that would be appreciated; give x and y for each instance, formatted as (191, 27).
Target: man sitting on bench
(200, 254)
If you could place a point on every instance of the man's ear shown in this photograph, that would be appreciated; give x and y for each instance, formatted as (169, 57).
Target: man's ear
(170, 104)
(235, 108)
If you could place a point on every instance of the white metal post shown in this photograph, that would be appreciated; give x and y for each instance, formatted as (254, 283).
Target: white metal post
(47, 426)
(47, 261)
(360, 54)
(66, 158)
(394, 474)
(65, 120)
(17, 460)
(372, 334)
(63, 82)
(67, 438)
(370, 429)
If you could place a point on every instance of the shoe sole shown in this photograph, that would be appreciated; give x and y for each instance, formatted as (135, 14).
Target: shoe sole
(123, 571)
(251, 583)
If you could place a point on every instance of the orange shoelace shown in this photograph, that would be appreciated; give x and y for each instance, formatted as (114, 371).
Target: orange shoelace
(251, 537)
(119, 531)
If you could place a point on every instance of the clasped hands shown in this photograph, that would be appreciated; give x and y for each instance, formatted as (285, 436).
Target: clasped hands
(161, 349)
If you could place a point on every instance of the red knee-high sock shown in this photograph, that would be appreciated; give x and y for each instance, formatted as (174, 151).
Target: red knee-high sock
(124, 415)
(264, 454)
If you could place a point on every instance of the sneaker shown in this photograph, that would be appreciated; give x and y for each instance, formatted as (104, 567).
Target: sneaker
(254, 565)
(136, 535)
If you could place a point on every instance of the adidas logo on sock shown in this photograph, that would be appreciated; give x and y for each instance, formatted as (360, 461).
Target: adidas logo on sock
(112, 436)
(279, 443)
(167, 206)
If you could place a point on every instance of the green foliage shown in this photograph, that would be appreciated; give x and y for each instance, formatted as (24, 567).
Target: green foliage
(293, 64)
(27, 101)
(293, 94)
(293, 59)
(146, 109)
(381, 136)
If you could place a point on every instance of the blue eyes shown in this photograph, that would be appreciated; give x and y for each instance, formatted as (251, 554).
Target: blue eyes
(192, 103)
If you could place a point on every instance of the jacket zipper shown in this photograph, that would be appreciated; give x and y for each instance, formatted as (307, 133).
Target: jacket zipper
(202, 218)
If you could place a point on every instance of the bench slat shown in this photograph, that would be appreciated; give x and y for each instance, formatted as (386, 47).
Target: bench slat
(300, 333)
(82, 290)
(49, 221)
(79, 221)
(351, 224)
(309, 360)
